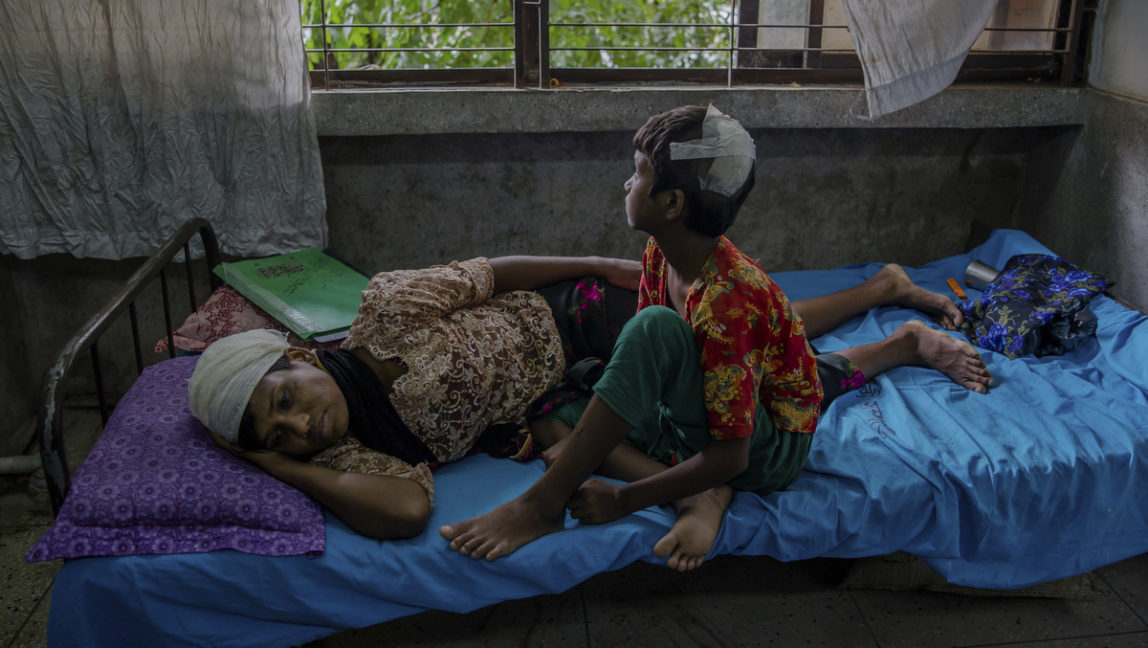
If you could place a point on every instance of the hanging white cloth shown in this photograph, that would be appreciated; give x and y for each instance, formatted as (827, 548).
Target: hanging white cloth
(912, 49)
(121, 119)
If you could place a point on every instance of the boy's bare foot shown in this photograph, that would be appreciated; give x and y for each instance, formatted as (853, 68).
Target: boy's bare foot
(502, 531)
(904, 292)
(692, 537)
(955, 358)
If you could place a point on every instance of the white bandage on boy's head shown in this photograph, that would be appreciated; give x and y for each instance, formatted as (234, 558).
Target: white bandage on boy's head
(226, 374)
(728, 145)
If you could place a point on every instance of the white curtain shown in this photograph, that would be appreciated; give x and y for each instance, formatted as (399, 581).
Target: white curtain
(120, 119)
(912, 49)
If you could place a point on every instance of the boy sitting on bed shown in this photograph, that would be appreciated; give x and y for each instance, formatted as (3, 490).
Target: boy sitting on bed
(713, 385)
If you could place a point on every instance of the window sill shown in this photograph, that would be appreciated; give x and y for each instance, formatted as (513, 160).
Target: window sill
(506, 110)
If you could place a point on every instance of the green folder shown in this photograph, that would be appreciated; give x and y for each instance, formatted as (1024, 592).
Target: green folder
(310, 292)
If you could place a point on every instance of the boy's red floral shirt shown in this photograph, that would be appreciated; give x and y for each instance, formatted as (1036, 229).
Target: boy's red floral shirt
(752, 343)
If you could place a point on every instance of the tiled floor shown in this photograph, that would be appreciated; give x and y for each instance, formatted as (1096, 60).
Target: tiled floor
(761, 602)
(728, 602)
(24, 595)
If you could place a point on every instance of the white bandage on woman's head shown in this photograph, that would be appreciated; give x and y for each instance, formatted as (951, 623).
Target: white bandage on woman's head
(226, 374)
(728, 145)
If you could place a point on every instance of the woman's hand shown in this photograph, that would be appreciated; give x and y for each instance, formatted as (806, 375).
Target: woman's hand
(226, 445)
(623, 273)
(378, 506)
(268, 460)
(597, 502)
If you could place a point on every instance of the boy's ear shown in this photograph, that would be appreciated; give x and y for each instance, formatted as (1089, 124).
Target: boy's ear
(674, 204)
(301, 354)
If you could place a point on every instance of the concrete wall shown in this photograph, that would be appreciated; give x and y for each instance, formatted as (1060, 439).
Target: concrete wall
(18, 393)
(824, 197)
(1098, 212)
(504, 172)
(1119, 62)
(48, 300)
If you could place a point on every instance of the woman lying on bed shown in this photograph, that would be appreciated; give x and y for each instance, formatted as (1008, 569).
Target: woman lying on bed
(436, 356)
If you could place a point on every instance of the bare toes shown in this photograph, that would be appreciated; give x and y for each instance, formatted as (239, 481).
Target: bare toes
(679, 562)
(901, 290)
(469, 544)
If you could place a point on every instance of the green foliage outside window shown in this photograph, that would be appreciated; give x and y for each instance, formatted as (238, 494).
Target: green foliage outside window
(457, 43)
(693, 12)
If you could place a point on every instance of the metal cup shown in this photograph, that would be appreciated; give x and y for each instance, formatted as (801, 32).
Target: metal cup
(978, 274)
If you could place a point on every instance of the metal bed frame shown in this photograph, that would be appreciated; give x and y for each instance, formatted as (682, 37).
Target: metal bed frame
(50, 421)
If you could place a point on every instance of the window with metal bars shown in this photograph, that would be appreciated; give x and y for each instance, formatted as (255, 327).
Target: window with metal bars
(556, 43)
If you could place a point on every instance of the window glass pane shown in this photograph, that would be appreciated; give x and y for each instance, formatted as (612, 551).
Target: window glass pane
(432, 42)
(782, 12)
(837, 38)
(640, 34)
(409, 34)
(1020, 14)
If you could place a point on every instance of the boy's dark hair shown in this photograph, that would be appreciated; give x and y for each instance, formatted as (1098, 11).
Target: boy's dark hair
(246, 438)
(710, 213)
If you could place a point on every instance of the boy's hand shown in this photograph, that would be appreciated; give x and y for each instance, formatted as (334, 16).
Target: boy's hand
(597, 502)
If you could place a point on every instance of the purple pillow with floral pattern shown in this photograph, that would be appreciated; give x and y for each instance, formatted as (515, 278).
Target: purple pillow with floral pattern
(156, 483)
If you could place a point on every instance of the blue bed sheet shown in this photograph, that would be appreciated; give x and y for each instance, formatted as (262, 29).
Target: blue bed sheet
(1044, 477)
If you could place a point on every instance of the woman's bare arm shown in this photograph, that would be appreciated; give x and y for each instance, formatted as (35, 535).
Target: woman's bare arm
(383, 507)
(531, 272)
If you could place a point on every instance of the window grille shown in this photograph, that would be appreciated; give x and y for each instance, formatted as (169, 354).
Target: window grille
(557, 43)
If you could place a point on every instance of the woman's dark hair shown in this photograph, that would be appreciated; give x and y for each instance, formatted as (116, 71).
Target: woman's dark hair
(373, 419)
(247, 438)
(710, 213)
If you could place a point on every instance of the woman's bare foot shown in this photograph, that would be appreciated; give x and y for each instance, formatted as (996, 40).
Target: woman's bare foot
(502, 531)
(692, 537)
(553, 436)
(955, 358)
(902, 291)
(550, 454)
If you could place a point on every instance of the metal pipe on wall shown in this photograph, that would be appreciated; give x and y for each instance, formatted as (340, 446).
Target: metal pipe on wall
(19, 465)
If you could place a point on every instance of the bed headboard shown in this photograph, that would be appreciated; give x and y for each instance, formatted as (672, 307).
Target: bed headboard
(50, 422)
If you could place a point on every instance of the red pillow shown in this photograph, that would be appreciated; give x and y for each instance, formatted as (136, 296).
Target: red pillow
(224, 313)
